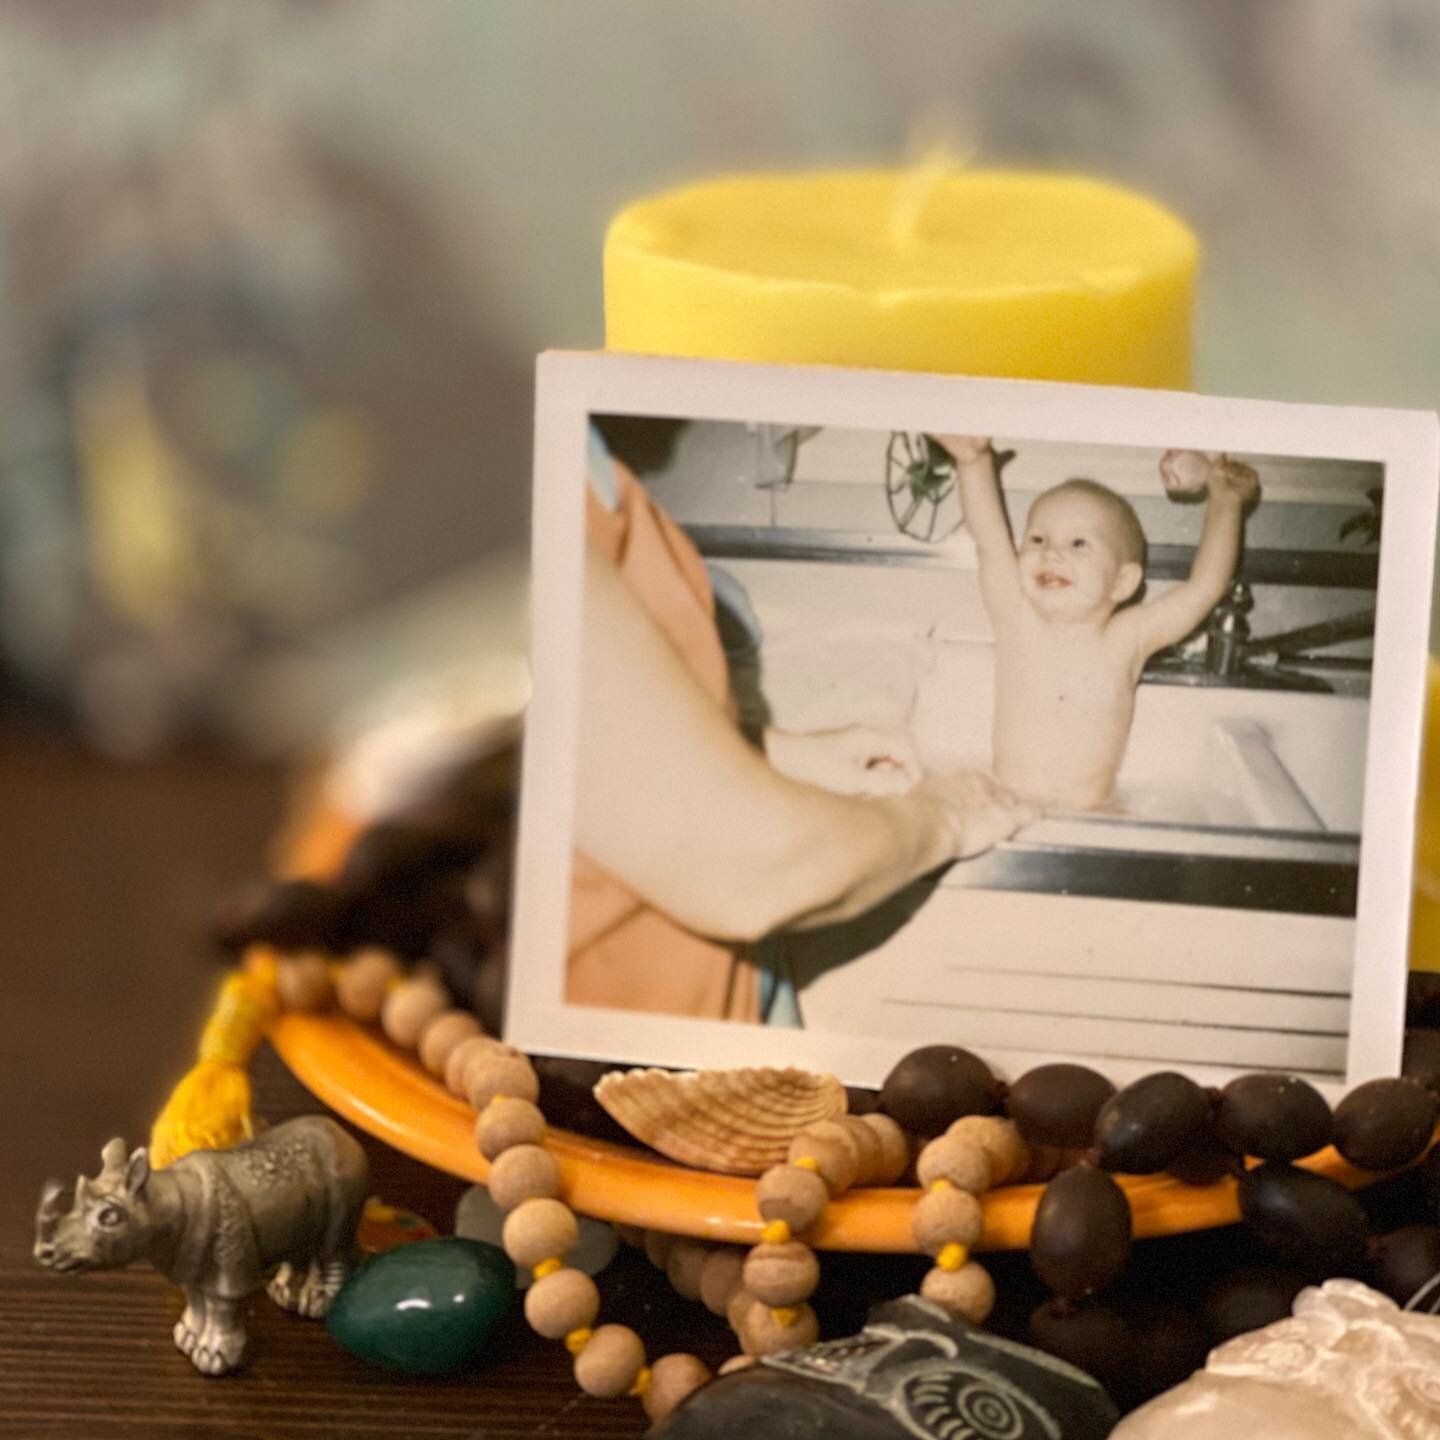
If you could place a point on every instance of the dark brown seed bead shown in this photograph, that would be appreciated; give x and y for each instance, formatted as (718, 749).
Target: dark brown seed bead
(860, 1100)
(1308, 1219)
(1057, 1104)
(1145, 1126)
(1081, 1236)
(1170, 1345)
(934, 1086)
(290, 915)
(1408, 1260)
(1385, 1124)
(1204, 1161)
(392, 852)
(1245, 1300)
(1430, 1179)
(1422, 1058)
(1273, 1117)
(1093, 1338)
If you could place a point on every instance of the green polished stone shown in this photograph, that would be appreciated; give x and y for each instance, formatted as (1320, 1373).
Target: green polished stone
(426, 1308)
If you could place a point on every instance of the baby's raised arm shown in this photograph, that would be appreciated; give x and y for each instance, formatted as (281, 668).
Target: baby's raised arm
(1231, 489)
(985, 519)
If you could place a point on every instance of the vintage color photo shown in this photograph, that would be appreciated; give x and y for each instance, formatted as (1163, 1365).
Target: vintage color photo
(1057, 722)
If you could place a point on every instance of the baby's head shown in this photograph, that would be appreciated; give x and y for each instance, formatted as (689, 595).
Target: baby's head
(1083, 552)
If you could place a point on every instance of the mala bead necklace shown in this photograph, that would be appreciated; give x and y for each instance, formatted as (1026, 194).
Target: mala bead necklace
(1057, 1114)
(540, 1229)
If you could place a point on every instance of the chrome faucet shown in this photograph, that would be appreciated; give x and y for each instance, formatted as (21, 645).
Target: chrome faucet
(1227, 630)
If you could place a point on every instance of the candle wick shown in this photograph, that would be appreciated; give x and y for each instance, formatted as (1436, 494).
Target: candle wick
(915, 189)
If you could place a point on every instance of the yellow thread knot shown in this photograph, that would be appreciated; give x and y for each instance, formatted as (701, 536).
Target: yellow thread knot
(777, 1232)
(642, 1382)
(548, 1267)
(952, 1256)
(806, 1162)
(577, 1340)
(785, 1316)
(942, 1184)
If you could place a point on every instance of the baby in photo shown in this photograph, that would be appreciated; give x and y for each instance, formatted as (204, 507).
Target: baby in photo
(1070, 641)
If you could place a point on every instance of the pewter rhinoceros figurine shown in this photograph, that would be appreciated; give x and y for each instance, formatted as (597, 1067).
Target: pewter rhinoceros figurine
(216, 1222)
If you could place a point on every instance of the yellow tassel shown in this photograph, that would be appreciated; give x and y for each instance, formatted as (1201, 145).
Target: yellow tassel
(210, 1108)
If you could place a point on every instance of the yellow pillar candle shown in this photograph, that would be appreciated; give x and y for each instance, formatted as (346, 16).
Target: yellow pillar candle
(985, 273)
(1425, 922)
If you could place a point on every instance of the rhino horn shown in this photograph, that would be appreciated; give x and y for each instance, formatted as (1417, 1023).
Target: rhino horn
(114, 1156)
(51, 1208)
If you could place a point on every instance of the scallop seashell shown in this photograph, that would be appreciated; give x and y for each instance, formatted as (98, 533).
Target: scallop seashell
(739, 1122)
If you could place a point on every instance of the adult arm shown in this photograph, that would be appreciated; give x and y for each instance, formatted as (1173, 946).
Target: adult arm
(675, 804)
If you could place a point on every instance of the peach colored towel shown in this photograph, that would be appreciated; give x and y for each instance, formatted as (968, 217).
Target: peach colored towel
(623, 952)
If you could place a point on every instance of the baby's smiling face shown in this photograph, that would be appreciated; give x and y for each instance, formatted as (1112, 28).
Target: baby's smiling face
(1073, 566)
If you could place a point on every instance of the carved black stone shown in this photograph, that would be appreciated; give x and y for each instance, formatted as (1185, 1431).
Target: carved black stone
(913, 1371)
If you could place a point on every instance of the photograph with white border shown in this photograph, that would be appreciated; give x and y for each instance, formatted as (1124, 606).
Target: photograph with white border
(875, 710)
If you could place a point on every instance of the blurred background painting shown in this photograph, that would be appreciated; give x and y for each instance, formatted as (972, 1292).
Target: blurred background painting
(273, 274)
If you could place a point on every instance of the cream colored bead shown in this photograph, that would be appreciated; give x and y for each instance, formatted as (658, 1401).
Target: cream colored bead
(967, 1293)
(523, 1172)
(440, 1037)
(468, 1052)
(303, 983)
(867, 1148)
(409, 1008)
(720, 1277)
(962, 1162)
(944, 1217)
(736, 1307)
(610, 1362)
(537, 1230)
(673, 1378)
(501, 1074)
(683, 1265)
(1009, 1154)
(796, 1196)
(736, 1362)
(762, 1334)
(363, 983)
(894, 1146)
(782, 1274)
(657, 1245)
(507, 1121)
(562, 1301)
(829, 1144)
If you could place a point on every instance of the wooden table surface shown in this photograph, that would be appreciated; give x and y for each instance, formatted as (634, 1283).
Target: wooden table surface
(109, 874)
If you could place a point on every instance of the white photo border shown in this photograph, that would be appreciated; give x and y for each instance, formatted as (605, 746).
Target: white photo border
(573, 386)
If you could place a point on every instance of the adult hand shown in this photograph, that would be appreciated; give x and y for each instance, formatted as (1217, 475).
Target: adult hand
(981, 812)
(853, 760)
(1186, 473)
